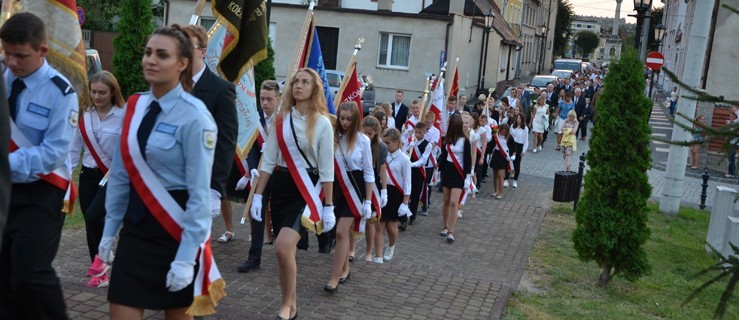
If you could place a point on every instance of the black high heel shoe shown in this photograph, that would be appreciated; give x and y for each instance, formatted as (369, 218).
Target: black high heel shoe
(344, 280)
(293, 317)
(331, 290)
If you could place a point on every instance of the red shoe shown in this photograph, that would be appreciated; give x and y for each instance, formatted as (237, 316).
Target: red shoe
(99, 282)
(98, 268)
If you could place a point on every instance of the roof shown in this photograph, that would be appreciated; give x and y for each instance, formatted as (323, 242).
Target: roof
(477, 9)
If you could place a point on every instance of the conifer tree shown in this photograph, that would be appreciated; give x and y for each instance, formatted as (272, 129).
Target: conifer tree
(265, 69)
(134, 27)
(612, 215)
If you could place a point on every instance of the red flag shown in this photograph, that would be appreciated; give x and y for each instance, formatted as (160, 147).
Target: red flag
(352, 90)
(454, 87)
(437, 105)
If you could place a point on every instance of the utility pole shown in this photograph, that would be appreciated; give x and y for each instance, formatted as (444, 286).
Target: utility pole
(672, 188)
(645, 36)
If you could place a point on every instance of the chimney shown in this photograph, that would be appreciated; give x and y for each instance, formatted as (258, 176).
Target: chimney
(456, 7)
(384, 5)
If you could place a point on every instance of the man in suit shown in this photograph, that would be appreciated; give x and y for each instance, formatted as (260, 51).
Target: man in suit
(220, 97)
(580, 105)
(400, 110)
(462, 106)
(4, 165)
(589, 90)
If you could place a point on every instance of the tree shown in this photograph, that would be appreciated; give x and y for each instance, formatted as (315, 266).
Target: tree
(265, 69)
(612, 215)
(565, 16)
(587, 41)
(100, 14)
(135, 26)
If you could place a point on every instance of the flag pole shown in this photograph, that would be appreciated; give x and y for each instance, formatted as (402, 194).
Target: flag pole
(352, 63)
(487, 111)
(198, 12)
(425, 99)
(7, 11)
(436, 83)
(295, 64)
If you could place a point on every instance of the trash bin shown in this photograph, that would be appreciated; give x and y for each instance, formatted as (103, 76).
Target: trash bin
(565, 186)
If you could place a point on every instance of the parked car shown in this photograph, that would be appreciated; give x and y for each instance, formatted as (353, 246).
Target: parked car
(541, 81)
(568, 64)
(562, 74)
(93, 62)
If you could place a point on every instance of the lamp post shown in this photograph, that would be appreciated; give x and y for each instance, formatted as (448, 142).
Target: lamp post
(488, 19)
(543, 32)
(641, 7)
(659, 32)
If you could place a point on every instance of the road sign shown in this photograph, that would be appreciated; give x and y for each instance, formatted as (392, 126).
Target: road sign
(655, 60)
(81, 15)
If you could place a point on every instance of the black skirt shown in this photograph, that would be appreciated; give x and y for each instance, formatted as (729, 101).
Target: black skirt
(286, 203)
(232, 194)
(143, 257)
(341, 209)
(498, 161)
(450, 177)
(394, 200)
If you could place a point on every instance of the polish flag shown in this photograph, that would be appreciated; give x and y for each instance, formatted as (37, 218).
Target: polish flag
(350, 90)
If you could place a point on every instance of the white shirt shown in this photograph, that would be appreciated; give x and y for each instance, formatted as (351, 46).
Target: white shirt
(320, 152)
(396, 109)
(458, 150)
(521, 135)
(432, 135)
(503, 143)
(360, 158)
(423, 158)
(197, 76)
(479, 133)
(400, 165)
(407, 133)
(106, 132)
(391, 122)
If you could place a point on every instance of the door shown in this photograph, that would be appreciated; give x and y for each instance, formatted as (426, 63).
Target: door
(329, 38)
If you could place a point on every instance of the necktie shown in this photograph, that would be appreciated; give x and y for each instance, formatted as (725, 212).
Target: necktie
(15, 91)
(575, 100)
(136, 208)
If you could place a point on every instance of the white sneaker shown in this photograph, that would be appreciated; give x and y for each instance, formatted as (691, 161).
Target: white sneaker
(505, 184)
(539, 148)
(389, 253)
(377, 260)
(459, 213)
(515, 184)
(535, 149)
(226, 237)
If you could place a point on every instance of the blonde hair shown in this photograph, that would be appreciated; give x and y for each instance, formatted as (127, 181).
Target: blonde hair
(109, 80)
(317, 105)
(392, 134)
(572, 113)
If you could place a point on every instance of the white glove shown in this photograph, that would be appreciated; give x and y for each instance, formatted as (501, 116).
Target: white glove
(513, 157)
(254, 176)
(215, 203)
(105, 248)
(180, 275)
(241, 184)
(383, 198)
(404, 211)
(256, 207)
(367, 209)
(328, 218)
(468, 183)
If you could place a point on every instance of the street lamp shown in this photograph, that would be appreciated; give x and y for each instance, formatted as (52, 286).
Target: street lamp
(488, 19)
(543, 32)
(641, 7)
(659, 33)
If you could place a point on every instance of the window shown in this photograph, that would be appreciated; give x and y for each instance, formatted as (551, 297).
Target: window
(395, 50)
(207, 22)
(590, 27)
(579, 25)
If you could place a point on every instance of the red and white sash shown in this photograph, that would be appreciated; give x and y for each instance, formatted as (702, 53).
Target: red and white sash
(311, 193)
(376, 201)
(502, 152)
(261, 134)
(102, 161)
(59, 178)
(414, 155)
(392, 178)
(350, 194)
(463, 195)
(209, 286)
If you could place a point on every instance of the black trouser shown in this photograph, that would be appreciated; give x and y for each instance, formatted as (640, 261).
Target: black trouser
(429, 176)
(488, 152)
(92, 204)
(516, 150)
(481, 169)
(418, 182)
(257, 229)
(29, 286)
(583, 128)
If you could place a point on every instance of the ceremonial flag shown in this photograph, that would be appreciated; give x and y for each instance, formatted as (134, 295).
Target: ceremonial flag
(64, 38)
(454, 87)
(351, 89)
(313, 58)
(232, 52)
(438, 104)
(245, 44)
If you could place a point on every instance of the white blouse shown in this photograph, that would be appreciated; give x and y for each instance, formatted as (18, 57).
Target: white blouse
(400, 165)
(503, 143)
(432, 135)
(320, 152)
(106, 132)
(423, 158)
(360, 158)
(480, 132)
(521, 135)
(458, 150)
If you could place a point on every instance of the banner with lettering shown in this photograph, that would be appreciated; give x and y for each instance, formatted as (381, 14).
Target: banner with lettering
(246, 41)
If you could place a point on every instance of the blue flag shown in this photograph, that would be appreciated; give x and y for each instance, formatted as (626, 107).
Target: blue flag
(315, 62)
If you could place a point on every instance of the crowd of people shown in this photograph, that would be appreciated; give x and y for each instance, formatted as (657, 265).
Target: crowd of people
(145, 190)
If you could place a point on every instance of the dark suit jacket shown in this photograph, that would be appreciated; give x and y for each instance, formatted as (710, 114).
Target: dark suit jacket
(220, 97)
(4, 165)
(579, 106)
(401, 117)
(255, 153)
(588, 92)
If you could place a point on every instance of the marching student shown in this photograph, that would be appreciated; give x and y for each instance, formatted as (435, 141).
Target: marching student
(398, 193)
(501, 160)
(43, 116)
(98, 136)
(433, 136)
(354, 182)
(407, 132)
(520, 135)
(481, 144)
(219, 96)
(420, 151)
(456, 173)
(269, 98)
(159, 191)
(371, 128)
(298, 157)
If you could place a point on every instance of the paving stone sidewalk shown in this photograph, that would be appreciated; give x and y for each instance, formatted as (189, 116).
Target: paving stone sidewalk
(428, 278)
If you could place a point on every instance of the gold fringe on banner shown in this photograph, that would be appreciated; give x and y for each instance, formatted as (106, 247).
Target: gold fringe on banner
(205, 305)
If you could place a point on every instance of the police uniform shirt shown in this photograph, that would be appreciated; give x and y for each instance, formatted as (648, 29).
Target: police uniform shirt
(179, 152)
(360, 158)
(400, 165)
(106, 132)
(46, 114)
(320, 152)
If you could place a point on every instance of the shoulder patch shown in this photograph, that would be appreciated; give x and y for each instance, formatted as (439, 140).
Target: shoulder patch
(74, 118)
(63, 85)
(209, 139)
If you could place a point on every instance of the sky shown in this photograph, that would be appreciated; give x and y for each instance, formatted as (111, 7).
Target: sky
(607, 8)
